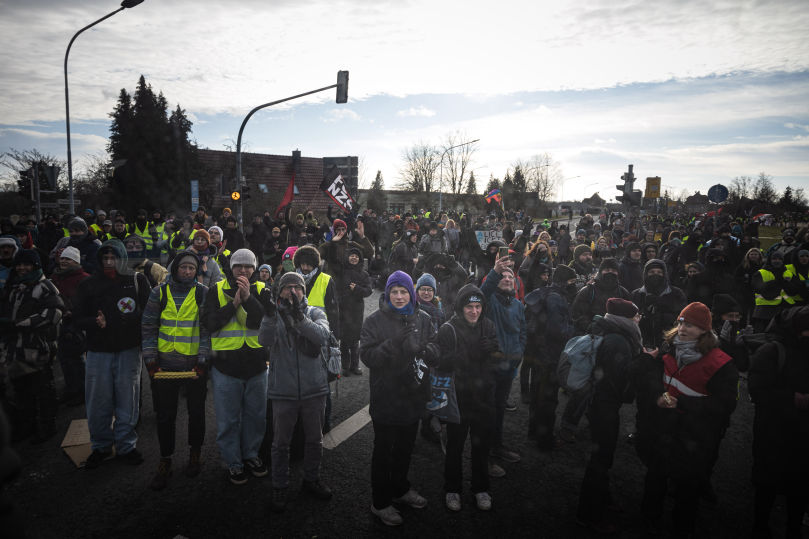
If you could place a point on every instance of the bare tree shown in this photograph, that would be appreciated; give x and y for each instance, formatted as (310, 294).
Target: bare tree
(740, 187)
(764, 190)
(420, 164)
(542, 175)
(95, 175)
(15, 161)
(457, 163)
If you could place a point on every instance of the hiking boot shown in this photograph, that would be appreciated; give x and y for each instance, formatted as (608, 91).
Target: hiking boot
(389, 515)
(511, 406)
(505, 454)
(278, 503)
(237, 476)
(496, 471)
(161, 477)
(413, 499)
(484, 501)
(453, 501)
(96, 458)
(194, 466)
(357, 371)
(133, 458)
(256, 467)
(318, 489)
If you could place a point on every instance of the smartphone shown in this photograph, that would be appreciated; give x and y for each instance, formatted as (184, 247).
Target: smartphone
(502, 252)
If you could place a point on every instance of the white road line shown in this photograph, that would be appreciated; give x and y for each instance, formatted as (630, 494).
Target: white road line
(346, 429)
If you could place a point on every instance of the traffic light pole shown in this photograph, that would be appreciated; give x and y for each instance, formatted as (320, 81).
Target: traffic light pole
(342, 96)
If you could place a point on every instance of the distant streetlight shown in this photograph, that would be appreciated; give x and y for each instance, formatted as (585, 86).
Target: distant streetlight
(441, 171)
(124, 5)
(342, 97)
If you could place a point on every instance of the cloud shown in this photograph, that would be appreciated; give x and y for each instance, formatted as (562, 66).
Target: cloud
(790, 125)
(421, 111)
(336, 115)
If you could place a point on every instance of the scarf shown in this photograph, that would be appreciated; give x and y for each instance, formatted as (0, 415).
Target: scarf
(30, 277)
(685, 352)
(307, 277)
(629, 327)
(406, 310)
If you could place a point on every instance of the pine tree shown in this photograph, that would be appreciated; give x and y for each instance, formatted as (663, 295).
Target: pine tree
(377, 199)
(471, 185)
(493, 184)
(520, 184)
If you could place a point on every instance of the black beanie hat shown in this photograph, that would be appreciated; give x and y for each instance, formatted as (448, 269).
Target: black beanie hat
(562, 274)
(608, 263)
(28, 256)
(723, 304)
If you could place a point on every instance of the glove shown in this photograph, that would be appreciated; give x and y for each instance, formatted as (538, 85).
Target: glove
(152, 368)
(488, 345)
(431, 353)
(201, 369)
(297, 312)
(411, 345)
(270, 309)
(801, 401)
(728, 332)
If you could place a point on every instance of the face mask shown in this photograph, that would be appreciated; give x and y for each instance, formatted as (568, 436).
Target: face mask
(609, 280)
(570, 291)
(655, 283)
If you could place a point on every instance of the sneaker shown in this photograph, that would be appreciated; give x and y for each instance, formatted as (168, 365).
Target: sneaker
(496, 471)
(278, 503)
(389, 515)
(132, 458)
(256, 467)
(317, 489)
(511, 406)
(453, 501)
(194, 466)
(505, 454)
(96, 458)
(237, 476)
(413, 499)
(161, 477)
(484, 501)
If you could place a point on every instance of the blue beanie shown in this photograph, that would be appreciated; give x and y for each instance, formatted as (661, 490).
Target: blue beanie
(426, 280)
(400, 278)
(263, 266)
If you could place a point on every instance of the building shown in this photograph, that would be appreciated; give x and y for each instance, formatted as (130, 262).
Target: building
(267, 177)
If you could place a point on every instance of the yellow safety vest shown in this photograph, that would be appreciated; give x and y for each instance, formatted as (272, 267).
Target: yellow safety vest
(317, 296)
(147, 237)
(766, 276)
(791, 269)
(234, 334)
(179, 331)
(97, 230)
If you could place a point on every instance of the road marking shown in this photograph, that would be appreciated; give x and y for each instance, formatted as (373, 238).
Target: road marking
(346, 429)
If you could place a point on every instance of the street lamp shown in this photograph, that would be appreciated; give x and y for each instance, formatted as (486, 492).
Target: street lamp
(342, 97)
(441, 171)
(124, 5)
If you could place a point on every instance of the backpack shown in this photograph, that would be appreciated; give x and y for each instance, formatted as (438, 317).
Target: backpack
(332, 358)
(575, 368)
(754, 341)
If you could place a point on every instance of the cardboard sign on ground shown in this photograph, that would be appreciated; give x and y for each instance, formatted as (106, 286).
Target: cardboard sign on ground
(77, 442)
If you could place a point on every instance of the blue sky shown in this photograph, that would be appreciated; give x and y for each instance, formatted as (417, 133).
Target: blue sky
(697, 92)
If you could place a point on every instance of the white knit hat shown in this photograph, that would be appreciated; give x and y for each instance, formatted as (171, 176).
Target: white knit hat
(72, 253)
(243, 257)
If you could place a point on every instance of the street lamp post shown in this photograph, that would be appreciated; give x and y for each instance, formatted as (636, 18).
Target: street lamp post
(124, 5)
(342, 97)
(441, 172)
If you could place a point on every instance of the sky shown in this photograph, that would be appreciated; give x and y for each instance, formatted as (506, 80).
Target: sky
(696, 92)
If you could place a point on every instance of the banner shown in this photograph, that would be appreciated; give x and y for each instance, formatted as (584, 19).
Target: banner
(338, 192)
(652, 187)
(485, 237)
(494, 195)
(288, 195)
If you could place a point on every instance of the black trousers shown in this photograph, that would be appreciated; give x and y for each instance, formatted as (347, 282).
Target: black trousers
(797, 499)
(166, 395)
(595, 489)
(686, 495)
(350, 354)
(480, 429)
(390, 462)
(34, 406)
(544, 399)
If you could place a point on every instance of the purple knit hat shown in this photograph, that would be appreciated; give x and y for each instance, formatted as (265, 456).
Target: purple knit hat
(400, 278)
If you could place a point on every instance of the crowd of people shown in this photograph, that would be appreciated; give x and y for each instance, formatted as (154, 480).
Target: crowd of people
(672, 309)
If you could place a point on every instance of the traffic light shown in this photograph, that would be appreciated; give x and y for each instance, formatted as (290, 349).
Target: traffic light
(635, 197)
(622, 196)
(245, 190)
(342, 86)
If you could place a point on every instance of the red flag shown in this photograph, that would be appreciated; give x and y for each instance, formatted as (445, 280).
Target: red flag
(288, 196)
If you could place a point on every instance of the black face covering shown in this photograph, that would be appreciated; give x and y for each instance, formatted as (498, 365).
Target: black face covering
(655, 283)
(608, 280)
(570, 291)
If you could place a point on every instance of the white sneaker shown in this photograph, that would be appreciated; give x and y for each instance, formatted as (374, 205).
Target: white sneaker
(496, 471)
(389, 515)
(484, 501)
(413, 499)
(453, 501)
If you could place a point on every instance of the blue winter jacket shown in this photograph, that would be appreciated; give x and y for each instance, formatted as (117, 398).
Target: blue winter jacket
(509, 320)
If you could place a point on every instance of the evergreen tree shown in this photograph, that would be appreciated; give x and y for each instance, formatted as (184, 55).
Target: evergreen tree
(520, 184)
(493, 184)
(472, 185)
(377, 199)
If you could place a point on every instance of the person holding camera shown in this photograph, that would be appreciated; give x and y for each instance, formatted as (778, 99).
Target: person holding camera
(294, 332)
(396, 346)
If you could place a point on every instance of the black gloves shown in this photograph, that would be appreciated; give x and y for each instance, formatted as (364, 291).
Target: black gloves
(297, 312)
(488, 345)
(412, 345)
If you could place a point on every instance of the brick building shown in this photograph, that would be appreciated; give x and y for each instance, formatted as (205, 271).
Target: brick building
(267, 177)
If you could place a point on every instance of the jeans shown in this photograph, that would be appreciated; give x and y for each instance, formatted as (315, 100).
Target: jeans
(480, 431)
(241, 416)
(112, 388)
(285, 414)
(166, 394)
(390, 462)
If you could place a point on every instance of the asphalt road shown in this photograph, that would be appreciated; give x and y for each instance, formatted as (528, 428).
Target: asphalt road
(537, 497)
